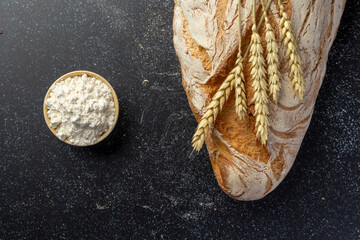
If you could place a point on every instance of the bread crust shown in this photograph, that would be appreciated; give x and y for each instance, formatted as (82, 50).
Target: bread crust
(206, 42)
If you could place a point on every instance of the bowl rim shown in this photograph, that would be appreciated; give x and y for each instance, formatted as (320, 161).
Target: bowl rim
(80, 73)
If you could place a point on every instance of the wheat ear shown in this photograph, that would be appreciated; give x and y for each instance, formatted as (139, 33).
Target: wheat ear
(272, 58)
(240, 91)
(296, 72)
(259, 84)
(257, 28)
(215, 106)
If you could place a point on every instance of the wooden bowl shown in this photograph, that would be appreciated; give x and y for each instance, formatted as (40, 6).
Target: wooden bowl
(90, 74)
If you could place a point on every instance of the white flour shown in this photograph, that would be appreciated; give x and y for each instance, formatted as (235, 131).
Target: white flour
(81, 109)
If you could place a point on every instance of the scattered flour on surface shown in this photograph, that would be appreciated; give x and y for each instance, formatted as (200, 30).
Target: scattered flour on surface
(81, 109)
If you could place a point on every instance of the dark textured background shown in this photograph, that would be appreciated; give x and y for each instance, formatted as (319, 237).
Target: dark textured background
(142, 182)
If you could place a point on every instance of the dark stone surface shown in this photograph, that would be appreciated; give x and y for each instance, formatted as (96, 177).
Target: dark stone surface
(142, 182)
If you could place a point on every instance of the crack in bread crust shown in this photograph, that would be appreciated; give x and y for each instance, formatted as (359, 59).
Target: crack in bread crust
(194, 49)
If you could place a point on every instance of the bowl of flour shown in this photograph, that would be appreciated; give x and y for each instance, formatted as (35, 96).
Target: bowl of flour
(81, 108)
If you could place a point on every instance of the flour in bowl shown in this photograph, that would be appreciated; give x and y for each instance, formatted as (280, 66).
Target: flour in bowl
(81, 109)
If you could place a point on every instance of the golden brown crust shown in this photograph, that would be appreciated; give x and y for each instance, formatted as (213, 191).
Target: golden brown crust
(205, 38)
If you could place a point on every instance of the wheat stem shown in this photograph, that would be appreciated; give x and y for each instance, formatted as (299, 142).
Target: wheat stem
(240, 91)
(239, 17)
(296, 72)
(254, 14)
(272, 58)
(213, 109)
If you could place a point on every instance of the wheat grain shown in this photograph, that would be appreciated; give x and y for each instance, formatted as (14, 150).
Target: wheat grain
(296, 72)
(259, 85)
(272, 57)
(213, 109)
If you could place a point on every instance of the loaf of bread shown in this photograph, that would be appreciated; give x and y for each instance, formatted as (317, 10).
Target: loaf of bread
(206, 36)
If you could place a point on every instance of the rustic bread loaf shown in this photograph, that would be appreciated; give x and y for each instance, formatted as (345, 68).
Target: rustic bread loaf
(206, 42)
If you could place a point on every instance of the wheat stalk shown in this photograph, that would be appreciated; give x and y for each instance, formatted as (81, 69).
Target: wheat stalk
(240, 91)
(215, 106)
(272, 57)
(236, 79)
(296, 72)
(259, 83)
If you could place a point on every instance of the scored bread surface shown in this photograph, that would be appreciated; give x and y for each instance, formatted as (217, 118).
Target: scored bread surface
(206, 42)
